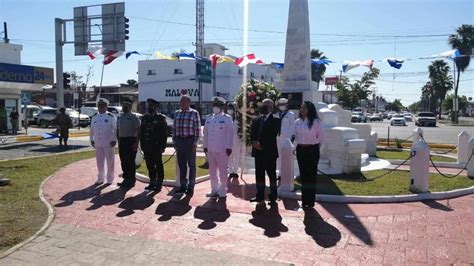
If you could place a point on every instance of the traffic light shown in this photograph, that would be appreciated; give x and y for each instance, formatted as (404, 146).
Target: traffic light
(126, 27)
(66, 80)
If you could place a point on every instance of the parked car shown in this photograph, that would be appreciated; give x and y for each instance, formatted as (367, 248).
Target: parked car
(32, 112)
(384, 115)
(46, 117)
(358, 117)
(375, 117)
(117, 111)
(89, 111)
(425, 119)
(398, 120)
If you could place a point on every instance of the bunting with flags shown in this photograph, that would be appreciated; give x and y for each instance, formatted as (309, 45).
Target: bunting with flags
(186, 56)
(111, 55)
(248, 59)
(321, 61)
(159, 55)
(94, 51)
(453, 54)
(128, 54)
(348, 65)
(217, 59)
(395, 63)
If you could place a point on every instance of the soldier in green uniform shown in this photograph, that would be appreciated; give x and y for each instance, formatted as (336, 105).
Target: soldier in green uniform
(64, 122)
(153, 135)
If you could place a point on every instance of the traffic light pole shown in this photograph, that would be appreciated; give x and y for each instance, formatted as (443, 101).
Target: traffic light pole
(58, 30)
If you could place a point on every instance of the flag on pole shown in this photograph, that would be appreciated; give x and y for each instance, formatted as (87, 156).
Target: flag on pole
(217, 59)
(111, 55)
(225, 59)
(248, 59)
(278, 65)
(94, 51)
(348, 65)
(128, 54)
(185, 56)
(321, 61)
(214, 58)
(163, 56)
(453, 54)
(395, 63)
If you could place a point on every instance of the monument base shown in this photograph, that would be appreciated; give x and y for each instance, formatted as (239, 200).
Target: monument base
(313, 96)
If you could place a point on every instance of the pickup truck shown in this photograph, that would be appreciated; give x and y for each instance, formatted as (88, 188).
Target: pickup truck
(425, 119)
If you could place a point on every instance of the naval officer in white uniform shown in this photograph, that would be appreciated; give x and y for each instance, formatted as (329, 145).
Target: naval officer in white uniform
(287, 130)
(218, 142)
(103, 138)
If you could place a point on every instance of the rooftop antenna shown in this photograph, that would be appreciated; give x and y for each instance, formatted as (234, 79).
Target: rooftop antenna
(5, 33)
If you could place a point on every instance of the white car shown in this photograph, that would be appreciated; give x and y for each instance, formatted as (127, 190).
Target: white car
(89, 111)
(390, 114)
(398, 120)
(408, 117)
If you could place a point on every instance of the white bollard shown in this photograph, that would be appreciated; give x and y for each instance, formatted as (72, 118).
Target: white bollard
(417, 136)
(463, 147)
(419, 168)
(470, 165)
(287, 167)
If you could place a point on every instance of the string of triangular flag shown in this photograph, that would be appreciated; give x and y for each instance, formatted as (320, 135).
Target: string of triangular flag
(397, 63)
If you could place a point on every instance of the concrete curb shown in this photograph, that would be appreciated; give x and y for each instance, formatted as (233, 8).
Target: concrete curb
(45, 226)
(384, 199)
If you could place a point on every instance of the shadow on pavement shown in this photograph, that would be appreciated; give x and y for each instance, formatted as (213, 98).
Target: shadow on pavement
(436, 205)
(269, 220)
(176, 206)
(342, 212)
(137, 202)
(291, 204)
(106, 199)
(214, 210)
(82, 194)
(244, 191)
(323, 233)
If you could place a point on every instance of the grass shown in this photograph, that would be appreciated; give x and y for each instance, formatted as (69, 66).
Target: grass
(170, 168)
(395, 183)
(21, 211)
(402, 155)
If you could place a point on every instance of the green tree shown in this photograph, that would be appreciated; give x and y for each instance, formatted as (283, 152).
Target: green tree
(396, 105)
(415, 107)
(462, 103)
(463, 40)
(350, 95)
(132, 83)
(441, 83)
(317, 71)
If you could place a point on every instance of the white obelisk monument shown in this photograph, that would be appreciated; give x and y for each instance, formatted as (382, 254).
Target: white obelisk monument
(297, 68)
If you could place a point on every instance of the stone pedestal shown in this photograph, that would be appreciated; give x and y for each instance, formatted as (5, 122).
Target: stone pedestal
(419, 168)
(470, 165)
(417, 136)
(287, 168)
(343, 148)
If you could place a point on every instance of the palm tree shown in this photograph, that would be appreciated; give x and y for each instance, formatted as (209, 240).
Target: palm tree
(317, 71)
(426, 95)
(463, 40)
(441, 83)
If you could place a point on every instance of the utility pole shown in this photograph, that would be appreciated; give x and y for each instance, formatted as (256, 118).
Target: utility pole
(5, 33)
(58, 33)
(199, 43)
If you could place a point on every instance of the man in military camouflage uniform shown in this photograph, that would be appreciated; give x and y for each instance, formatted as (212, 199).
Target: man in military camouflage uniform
(153, 135)
(64, 122)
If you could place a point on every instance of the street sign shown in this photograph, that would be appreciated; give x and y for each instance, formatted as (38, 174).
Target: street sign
(331, 80)
(25, 97)
(82, 30)
(113, 26)
(204, 70)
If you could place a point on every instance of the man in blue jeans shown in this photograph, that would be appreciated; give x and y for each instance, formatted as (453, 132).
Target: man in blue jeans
(186, 130)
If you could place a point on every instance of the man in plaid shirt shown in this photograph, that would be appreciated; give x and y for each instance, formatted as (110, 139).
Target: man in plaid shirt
(186, 130)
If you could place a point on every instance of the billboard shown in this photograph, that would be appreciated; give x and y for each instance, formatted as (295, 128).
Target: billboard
(331, 80)
(26, 74)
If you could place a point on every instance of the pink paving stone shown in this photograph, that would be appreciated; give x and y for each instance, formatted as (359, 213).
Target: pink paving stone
(379, 233)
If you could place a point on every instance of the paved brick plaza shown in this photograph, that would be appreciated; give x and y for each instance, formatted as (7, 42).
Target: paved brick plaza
(105, 225)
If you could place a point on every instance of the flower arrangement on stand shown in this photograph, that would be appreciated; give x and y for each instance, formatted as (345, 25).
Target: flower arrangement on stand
(249, 103)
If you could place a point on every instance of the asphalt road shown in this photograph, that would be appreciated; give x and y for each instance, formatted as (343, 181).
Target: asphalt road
(439, 134)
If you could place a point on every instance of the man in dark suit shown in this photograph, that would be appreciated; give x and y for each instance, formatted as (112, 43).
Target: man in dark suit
(264, 132)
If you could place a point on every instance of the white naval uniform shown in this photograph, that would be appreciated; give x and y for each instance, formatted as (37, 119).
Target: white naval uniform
(103, 131)
(234, 159)
(287, 130)
(218, 137)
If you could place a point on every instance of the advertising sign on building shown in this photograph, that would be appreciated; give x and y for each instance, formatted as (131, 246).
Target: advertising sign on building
(331, 80)
(26, 74)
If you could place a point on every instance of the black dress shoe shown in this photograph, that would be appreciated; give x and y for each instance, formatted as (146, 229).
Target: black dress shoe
(190, 191)
(125, 185)
(272, 203)
(153, 187)
(255, 199)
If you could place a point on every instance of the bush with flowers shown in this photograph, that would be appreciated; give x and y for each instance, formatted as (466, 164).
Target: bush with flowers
(249, 103)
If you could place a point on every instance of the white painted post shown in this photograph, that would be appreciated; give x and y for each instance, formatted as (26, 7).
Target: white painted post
(419, 168)
(417, 136)
(287, 167)
(470, 166)
(463, 147)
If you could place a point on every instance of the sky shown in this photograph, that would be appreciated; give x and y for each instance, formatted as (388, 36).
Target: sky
(343, 30)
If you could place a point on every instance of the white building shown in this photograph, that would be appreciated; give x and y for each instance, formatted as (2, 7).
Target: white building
(165, 80)
(15, 78)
